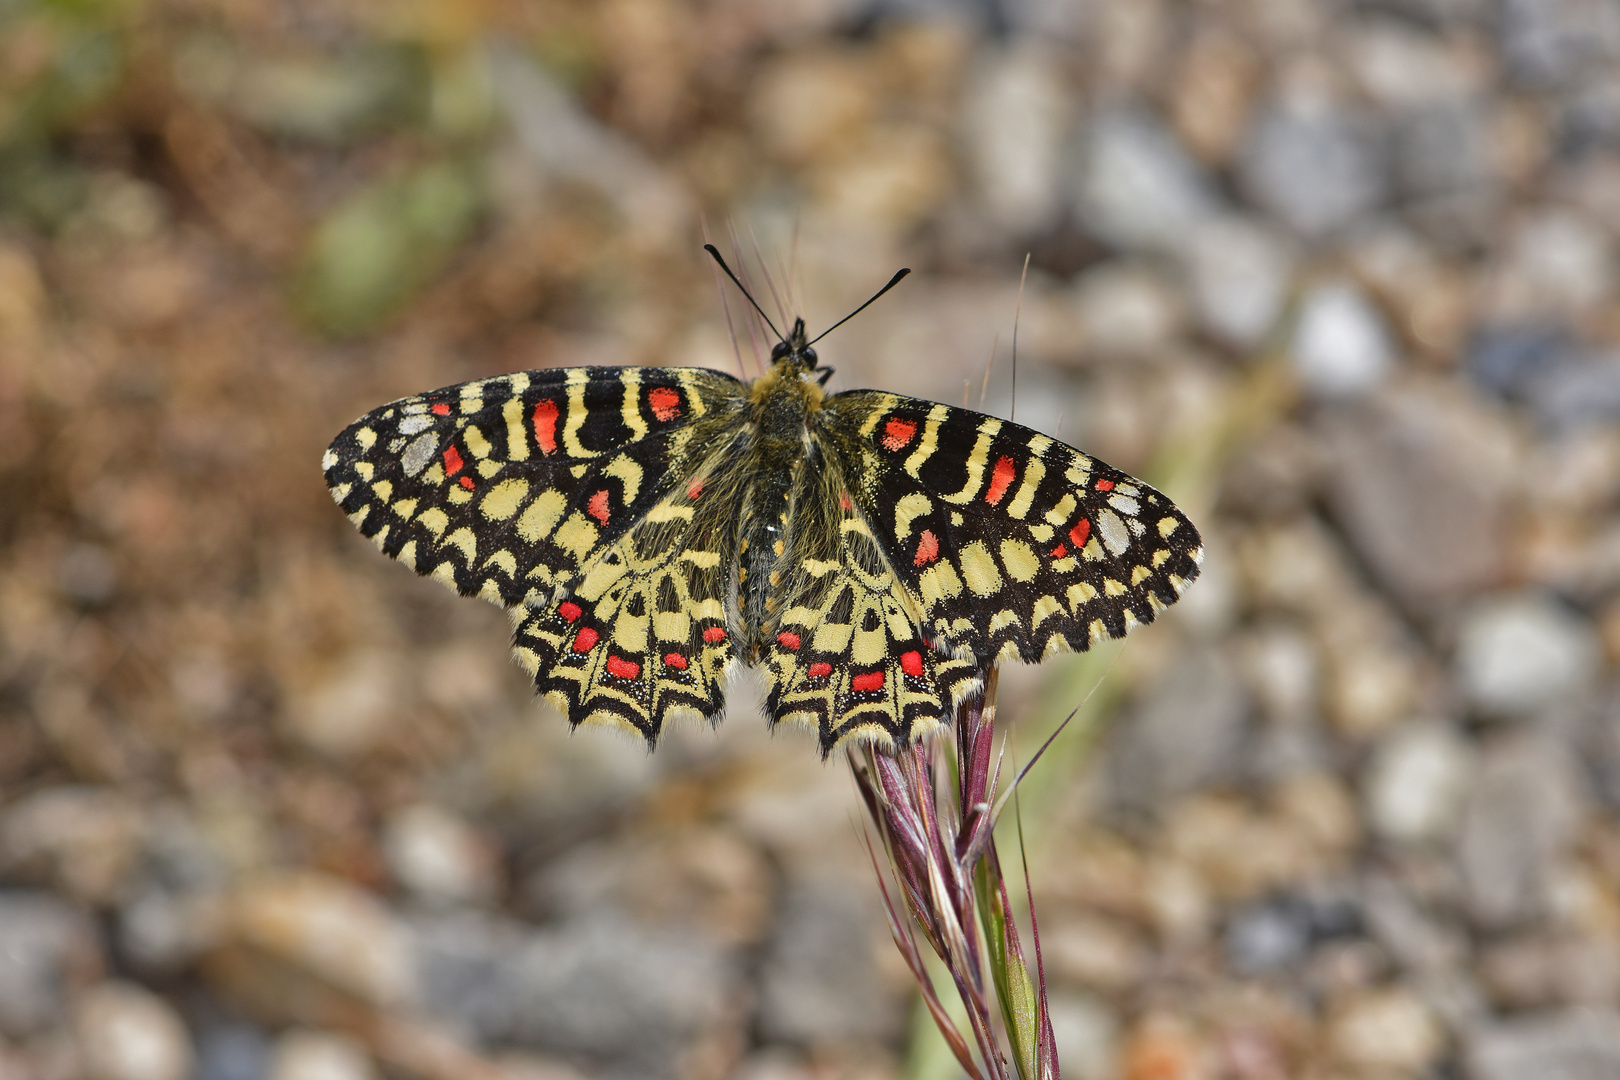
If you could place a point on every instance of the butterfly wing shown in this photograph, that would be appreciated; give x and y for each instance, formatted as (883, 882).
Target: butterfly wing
(557, 494)
(843, 647)
(1010, 544)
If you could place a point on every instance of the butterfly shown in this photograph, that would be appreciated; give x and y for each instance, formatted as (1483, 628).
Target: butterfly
(649, 529)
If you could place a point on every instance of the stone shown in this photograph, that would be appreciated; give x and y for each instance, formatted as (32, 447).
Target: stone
(48, 948)
(1267, 936)
(821, 982)
(86, 575)
(1314, 165)
(1126, 311)
(87, 838)
(329, 928)
(350, 710)
(1419, 482)
(305, 1054)
(1584, 394)
(438, 856)
(1092, 951)
(1014, 124)
(126, 1032)
(1239, 270)
(1416, 782)
(1522, 813)
(1441, 149)
(1510, 360)
(1185, 733)
(1519, 653)
(1554, 264)
(1388, 1031)
(1136, 187)
(1572, 1044)
(1087, 1034)
(1552, 45)
(232, 1052)
(1341, 344)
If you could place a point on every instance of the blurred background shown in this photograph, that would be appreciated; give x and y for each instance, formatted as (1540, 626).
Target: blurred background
(1339, 275)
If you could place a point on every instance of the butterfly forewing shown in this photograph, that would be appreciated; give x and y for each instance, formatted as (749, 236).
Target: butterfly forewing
(1010, 544)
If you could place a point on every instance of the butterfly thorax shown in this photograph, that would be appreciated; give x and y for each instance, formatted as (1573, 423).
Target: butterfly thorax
(784, 402)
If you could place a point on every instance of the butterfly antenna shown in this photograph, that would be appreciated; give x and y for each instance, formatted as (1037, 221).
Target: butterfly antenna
(902, 272)
(714, 251)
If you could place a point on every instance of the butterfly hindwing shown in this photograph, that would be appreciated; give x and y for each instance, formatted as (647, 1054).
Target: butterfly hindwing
(1010, 544)
(843, 650)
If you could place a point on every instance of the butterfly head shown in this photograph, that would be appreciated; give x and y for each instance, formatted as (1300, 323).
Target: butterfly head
(794, 350)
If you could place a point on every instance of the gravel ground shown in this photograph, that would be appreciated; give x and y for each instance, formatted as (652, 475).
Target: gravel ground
(1339, 276)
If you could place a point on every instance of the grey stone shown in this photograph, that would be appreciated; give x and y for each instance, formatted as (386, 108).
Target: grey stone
(1552, 43)
(86, 574)
(1187, 732)
(1521, 816)
(1341, 346)
(47, 947)
(1138, 188)
(1239, 269)
(1511, 360)
(1441, 148)
(1267, 936)
(1575, 1044)
(1314, 165)
(1015, 120)
(821, 981)
(1521, 653)
(1417, 780)
(232, 1052)
(1419, 483)
(599, 986)
(320, 1055)
(1582, 393)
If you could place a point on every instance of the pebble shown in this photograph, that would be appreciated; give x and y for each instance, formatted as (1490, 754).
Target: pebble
(350, 711)
(1015, 120)
(1510, 360)
(822, 982)
(47, 949)
(1574, 1043)
(1416, 782)
(88, 838)
(1582, 395)
(1126, 312)
(232, 1052)
(1087, 1034)
(328, 927)
(320, 1055)
(1314, 166)
(438, 856)
(1341, 345)
(1387, 1031)
(1186, 732)
(1137, 188)
(1239, 270)
(1420, 483)
(1268, 936)
(125, 1032)
(1555, 264)
(1518, 654)
(1522, 812)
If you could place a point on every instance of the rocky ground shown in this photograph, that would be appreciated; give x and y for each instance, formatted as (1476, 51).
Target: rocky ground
(1339, 276)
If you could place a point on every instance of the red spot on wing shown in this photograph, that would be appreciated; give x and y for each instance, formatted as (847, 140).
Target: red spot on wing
(843, 502)
(1080, 533)
(675, 660)
(897, 433)
(927, 548)
(586, 640)
(452, 461)
(714, 634)
(664, 402)
(819, 670)
(467, 482)
(598, 506)
(788, 639)
(545, 425)
(1105, 485)
(569, 610)
(1059, 551)
(695, 488)
(624, 669)
(872, 680)
(440, 409)
(911, 663)
(1001, 478)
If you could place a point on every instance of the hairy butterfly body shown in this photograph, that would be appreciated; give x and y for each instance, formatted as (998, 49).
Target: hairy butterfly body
(649, 528)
